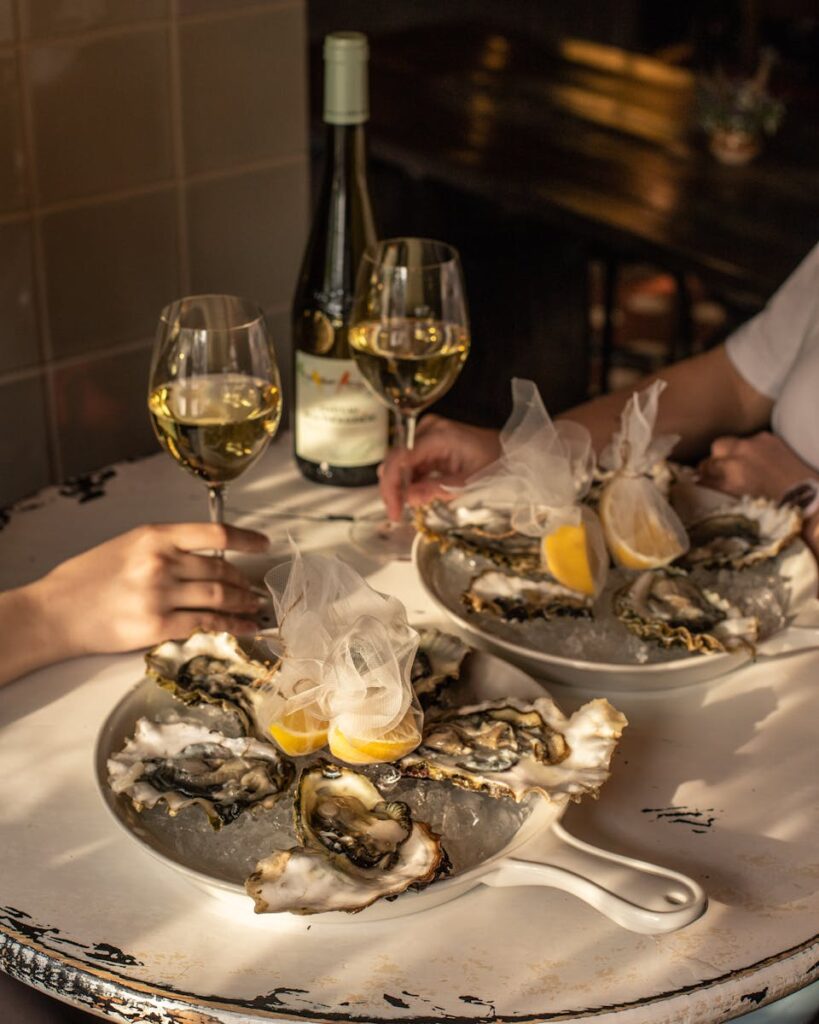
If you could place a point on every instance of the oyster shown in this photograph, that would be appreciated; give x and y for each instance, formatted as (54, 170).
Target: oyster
(479, 530)
(670, 608)
(509, 748)
(211, 668)
(356, 848)
(437, 663)
(183, 763)
(741, 533)
(516, 598)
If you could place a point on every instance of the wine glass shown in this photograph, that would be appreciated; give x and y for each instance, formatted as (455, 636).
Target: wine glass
(409, 336)
(214, 395)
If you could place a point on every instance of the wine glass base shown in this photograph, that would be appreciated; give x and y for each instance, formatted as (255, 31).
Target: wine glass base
(383, 540)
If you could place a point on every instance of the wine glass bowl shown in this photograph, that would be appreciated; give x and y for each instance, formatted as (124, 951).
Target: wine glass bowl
(214, 395)
(409, 335)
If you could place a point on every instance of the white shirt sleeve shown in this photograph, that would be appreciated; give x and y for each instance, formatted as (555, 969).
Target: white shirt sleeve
(765, 348)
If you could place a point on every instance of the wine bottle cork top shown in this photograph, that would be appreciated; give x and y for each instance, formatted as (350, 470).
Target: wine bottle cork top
(346, 95)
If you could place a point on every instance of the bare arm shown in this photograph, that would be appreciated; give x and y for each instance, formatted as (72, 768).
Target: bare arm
(706, 397)
(140, 588)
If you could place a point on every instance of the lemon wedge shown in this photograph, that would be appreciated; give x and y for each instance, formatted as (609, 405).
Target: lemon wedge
(640, 534)
(393, 745)
(568, 557)
(299, 732)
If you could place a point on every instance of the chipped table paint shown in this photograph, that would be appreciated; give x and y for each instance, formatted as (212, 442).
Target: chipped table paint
(718, 781)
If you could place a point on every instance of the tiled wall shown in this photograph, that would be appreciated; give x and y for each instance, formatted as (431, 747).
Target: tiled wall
(148, 149)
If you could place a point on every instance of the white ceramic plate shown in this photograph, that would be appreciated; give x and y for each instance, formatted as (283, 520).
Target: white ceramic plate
(444, 580)
(638, 895)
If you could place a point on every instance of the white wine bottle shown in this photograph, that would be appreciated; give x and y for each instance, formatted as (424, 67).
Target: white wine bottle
(339, 426)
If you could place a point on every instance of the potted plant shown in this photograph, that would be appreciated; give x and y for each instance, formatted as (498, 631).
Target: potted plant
(737, 113)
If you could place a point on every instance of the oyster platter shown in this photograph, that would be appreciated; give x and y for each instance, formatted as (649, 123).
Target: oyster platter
(664, 627)
(189, 770)
(623, 571)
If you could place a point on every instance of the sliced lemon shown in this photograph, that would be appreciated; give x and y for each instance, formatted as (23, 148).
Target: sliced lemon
(568, 557)
(640, 534)
(393, 745)
(299, 732)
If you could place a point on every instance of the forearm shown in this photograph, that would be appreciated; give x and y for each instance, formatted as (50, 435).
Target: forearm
(29, 641)
(705, 398)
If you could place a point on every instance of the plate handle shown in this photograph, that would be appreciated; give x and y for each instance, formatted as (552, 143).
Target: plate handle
(635, 894)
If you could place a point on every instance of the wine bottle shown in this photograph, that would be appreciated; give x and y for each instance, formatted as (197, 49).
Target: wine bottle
(339, 427)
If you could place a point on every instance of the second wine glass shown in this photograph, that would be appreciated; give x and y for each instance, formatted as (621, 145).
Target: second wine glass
(409, 335)
(214, 396)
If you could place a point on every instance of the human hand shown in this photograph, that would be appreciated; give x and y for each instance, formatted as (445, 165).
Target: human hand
(761, 465)
(146, 586)
(445, 452)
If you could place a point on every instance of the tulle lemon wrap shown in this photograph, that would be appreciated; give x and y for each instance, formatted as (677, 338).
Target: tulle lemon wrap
(542, 475)
(642, 530)
(344, 680)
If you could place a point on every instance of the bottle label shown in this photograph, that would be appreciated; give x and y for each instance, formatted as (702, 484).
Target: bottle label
(337, 420)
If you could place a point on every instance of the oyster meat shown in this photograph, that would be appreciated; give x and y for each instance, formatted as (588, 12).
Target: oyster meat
(184, 763)
(437, 663)
(212, 668)
(479, 530)
(517, 598)
(670, 608)
(741, 533)
(356, 848)
(510, 748)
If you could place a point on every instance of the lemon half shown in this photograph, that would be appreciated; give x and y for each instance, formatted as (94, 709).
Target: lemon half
(299, 732)
(568, 557)
(393, 745)
(640, 534)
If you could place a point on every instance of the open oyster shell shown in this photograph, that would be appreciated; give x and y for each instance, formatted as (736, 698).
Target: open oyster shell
(211, 668)
(739, 533)
(671, 609)
(437, 663)
(357, 848)
(510, 748)
(479, 530)
(184, 763)
(517, 598)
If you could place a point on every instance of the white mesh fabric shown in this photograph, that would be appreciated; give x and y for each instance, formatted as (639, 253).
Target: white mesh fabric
(544, 469)
(633, 448)
(347, 650)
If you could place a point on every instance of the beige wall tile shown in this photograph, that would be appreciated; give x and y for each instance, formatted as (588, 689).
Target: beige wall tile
(13, 187)
(7, 32)
(243, 88)
(246, 233)
(24, 463)
(19, 344)
(110, 268)
(102, 412)
(101, 114)
(40, 18)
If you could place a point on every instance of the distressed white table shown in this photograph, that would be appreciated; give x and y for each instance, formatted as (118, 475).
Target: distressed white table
(719, 781)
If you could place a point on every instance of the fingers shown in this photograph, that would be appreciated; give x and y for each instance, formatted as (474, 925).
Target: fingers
(722, 447)
(424, 491)
(180, 624)
(210, 595)
(202, 567)
(215, 536)
(390, 481)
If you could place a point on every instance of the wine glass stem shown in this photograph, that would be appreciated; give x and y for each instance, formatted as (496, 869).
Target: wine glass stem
(216, 507)
(406, 439)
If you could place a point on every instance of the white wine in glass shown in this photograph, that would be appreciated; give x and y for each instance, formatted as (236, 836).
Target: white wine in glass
(214, 395)
(409, 336)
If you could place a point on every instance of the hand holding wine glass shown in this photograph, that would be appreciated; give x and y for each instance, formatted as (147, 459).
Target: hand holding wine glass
(409, 335)
(214, 396)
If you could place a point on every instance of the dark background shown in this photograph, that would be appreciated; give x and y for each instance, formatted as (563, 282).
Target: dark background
(536, 287)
